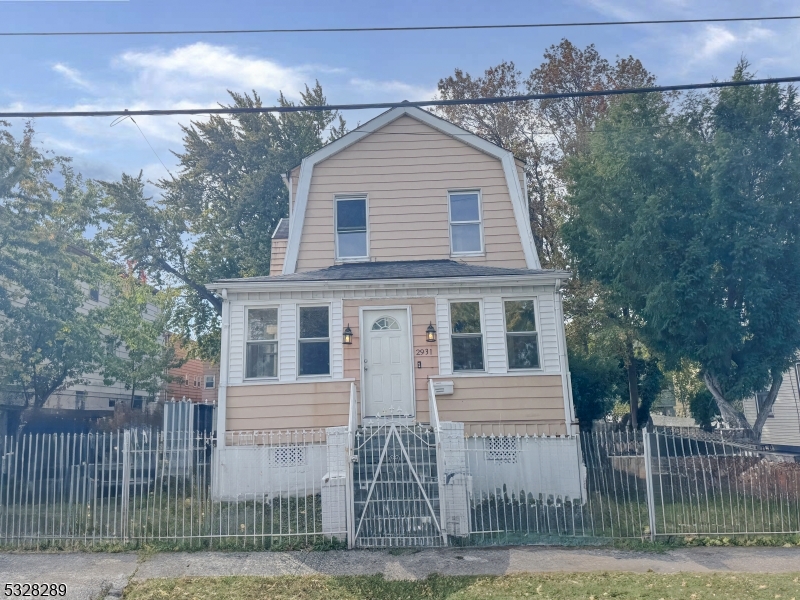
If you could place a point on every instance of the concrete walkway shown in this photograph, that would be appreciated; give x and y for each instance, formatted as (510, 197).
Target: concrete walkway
(95, 575)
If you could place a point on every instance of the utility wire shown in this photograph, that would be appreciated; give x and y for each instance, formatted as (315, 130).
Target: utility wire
(377, 105)
(121, 119)
(389, 29)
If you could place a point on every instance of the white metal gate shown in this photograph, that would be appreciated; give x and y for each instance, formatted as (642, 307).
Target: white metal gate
(396, 487)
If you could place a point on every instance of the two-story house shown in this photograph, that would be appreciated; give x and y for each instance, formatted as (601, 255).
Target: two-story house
(406, 265)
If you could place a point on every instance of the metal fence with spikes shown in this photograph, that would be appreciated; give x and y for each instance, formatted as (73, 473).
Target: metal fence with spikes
(411, 483)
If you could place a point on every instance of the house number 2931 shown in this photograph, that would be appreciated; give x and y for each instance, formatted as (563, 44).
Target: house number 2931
(424, 351)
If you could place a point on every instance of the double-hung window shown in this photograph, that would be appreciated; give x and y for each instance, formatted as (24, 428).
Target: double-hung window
(522, 339)
(466, 336)
(314, 343)
(262, 343)
(351, 228)
(465, 223)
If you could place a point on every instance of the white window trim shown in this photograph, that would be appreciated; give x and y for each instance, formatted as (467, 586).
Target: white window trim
(538, 332)
(450, 223)
(322, 376)
(213, 381)
(450, 303)
(246, 339)
(355, 196)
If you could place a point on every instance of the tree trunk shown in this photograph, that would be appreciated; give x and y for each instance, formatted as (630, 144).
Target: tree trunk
(732, 417)
(763, 411)
(633, 383)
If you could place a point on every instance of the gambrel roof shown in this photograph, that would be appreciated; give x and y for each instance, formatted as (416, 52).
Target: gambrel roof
(517, 194)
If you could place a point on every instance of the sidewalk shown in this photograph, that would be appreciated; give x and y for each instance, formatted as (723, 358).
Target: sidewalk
(95, 575)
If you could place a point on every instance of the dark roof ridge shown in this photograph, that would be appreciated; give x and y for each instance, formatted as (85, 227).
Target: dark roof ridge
(397, 269)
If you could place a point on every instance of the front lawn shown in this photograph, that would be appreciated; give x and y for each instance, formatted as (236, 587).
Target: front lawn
(555, 586)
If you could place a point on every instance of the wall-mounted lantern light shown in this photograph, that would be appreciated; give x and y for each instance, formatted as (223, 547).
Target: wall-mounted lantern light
(430, 333)
(348, 335)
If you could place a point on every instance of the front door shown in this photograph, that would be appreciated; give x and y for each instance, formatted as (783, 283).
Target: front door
(386, 360)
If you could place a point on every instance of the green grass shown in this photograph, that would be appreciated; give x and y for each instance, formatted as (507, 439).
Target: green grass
(555, 586)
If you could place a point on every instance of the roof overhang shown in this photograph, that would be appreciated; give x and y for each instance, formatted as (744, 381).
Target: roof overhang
(506, 158)
(555, 278)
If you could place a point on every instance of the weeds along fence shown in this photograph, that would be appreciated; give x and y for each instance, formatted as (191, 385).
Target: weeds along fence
(632, 485)
(147, 486)
(269, 490)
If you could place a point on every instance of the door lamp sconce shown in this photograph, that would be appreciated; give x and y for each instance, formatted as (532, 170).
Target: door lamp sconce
(430, 333)
(347, 335)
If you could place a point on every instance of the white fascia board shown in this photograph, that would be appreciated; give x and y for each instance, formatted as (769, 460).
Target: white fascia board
(544, 279)
(504, 156)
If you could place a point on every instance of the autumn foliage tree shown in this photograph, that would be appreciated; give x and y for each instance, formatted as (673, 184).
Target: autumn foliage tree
(215, 219)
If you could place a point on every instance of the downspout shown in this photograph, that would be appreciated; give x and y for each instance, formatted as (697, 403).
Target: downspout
(223, 369)
(566, 379)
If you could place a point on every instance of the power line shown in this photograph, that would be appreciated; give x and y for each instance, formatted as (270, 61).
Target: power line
(397, 29)
(121, 119)
(385, 105)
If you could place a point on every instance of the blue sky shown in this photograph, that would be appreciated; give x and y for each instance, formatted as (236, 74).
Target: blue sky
(195, 71)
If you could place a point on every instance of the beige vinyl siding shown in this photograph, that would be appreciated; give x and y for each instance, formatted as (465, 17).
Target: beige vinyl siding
(422, 314)
(277, 256)
(406, 169)
(527, 405)
(287, 406)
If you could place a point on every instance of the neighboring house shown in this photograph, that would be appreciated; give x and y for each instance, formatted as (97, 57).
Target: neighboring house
(782, 429)
(94, 395)
(407, 259)
(195, 380)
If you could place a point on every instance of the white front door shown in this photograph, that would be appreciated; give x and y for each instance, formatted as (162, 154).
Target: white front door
(386, 360)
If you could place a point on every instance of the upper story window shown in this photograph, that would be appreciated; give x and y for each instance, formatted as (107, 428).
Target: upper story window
(522, 339)
(466, 336)
(314, 342)
(351, 228)
(210, 381)
(465, 223)
(262, 343)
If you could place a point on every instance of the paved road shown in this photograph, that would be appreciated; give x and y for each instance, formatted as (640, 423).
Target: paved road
(91, 576)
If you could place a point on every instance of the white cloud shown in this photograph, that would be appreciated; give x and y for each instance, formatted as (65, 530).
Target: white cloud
(206, 71)
(190, 76)
(72, 75)
(717, 40)
(393, 89)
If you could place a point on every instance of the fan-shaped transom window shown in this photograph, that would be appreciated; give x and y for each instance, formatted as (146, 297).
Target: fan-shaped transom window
(385, 323)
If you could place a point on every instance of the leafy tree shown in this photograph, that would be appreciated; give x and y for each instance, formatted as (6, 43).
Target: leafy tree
(47, 341)
(545, 133)
(136, 350)
(691, 219)
(216, 218)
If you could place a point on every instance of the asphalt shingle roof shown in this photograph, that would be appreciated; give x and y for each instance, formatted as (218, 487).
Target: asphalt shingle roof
(399, 269)
(282, 230)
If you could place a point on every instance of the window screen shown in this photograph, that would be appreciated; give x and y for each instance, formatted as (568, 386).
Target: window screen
(465, 223)
(466, 336)
(314, 346)
(262, 343)
(351, 227)
(522, 339)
